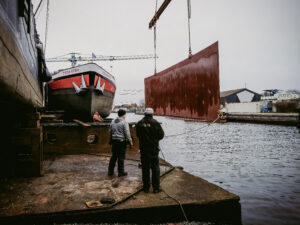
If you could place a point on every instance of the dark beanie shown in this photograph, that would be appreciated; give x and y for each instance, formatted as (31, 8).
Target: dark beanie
(121, 112)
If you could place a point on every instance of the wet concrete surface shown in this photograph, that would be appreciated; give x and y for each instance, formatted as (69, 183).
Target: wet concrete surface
(70, 181)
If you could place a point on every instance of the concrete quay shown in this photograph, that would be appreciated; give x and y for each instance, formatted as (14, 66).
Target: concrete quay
(266, 118)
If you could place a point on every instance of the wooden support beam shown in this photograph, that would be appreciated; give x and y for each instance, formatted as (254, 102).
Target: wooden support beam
(31, 120)
(27, 143)
(51, 116)
(158, 13)
(82, 123)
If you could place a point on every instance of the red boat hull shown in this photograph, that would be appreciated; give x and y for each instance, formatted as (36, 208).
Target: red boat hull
(63, 96)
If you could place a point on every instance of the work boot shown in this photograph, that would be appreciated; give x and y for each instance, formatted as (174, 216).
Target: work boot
(156, 190)
(123, 174)
(146, 190)
(110, 174)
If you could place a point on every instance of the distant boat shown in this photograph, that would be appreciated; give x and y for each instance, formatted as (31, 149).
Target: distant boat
(82, 90)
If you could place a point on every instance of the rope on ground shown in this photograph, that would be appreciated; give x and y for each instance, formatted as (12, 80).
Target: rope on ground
(141, 188)
(130, 159)
(179, 203)
(134, 193)
(173, 135)
(166, 172)
(191, 131)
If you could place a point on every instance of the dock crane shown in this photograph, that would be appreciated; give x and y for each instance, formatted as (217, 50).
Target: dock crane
(74, 57)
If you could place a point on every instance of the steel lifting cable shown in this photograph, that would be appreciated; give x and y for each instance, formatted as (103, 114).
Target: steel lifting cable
(37, 9)
(189, 17)
(46, 31)
(154, 30)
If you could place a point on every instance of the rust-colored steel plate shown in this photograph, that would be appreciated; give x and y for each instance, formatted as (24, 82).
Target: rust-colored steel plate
(189, 89)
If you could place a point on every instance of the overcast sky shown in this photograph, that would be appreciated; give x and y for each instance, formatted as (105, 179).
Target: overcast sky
(259, 40)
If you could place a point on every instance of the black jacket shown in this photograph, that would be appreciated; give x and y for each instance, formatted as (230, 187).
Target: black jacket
(149, 132)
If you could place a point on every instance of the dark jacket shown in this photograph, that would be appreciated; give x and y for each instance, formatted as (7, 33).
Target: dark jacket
(149, 132)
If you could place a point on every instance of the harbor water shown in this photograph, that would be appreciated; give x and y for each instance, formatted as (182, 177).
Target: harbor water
(260, 163)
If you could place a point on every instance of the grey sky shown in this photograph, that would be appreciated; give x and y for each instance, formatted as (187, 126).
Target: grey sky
(259, 40)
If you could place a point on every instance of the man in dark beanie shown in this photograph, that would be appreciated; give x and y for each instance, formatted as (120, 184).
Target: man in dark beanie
(149, 132)
(119, 134)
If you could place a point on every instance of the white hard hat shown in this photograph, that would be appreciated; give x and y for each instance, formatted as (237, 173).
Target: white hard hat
(149, 111)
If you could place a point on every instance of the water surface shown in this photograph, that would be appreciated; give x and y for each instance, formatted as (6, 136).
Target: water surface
(260, 163)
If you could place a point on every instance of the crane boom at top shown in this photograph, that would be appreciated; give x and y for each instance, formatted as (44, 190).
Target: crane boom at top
(74, 57)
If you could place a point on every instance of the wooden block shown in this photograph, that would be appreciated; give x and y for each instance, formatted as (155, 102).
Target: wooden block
(48, 116)
(81, 123)
(31, 120)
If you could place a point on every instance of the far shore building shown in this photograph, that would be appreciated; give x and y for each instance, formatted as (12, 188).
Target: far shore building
(239, 96)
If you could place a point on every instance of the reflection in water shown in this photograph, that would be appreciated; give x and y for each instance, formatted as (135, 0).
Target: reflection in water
(260, 163)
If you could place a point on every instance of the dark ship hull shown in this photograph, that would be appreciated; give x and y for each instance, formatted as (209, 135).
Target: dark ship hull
(22, 72)
(22, 65)
(79, 93)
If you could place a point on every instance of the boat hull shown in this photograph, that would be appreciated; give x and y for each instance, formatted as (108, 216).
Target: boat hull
(20, 78)
(22, 72)
(81, 104)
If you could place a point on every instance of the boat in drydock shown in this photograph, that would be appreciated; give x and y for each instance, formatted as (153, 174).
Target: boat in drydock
(81, 90)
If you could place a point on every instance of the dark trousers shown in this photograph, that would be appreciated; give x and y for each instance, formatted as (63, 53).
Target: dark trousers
(150, 162)
(118, 153)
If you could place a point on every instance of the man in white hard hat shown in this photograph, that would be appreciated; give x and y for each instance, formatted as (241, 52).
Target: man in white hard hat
(149, 132)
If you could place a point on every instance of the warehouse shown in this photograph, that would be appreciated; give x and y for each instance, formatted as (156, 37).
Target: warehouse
(239, 95)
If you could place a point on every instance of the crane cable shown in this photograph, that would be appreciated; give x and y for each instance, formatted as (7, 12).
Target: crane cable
(189, 8)
(154, 30)
(37, 9)
(46, 31)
